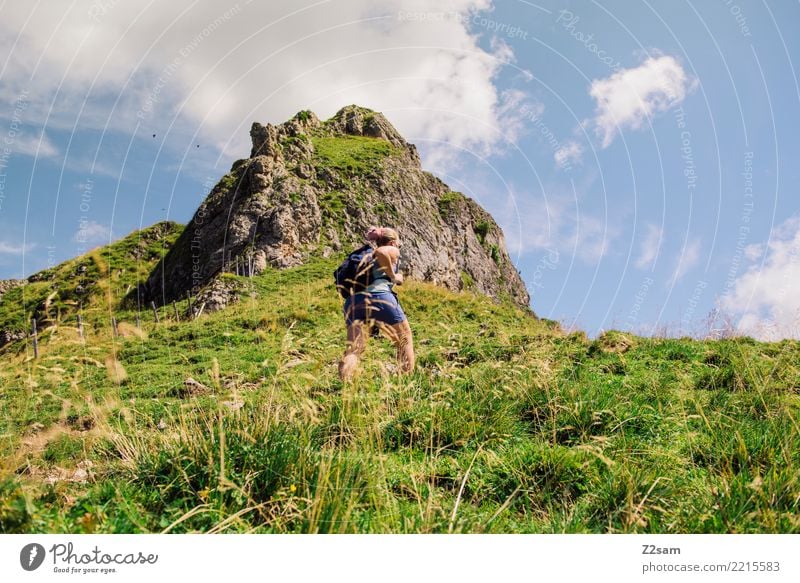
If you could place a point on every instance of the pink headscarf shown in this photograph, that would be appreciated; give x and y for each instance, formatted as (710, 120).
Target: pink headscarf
(374, 233)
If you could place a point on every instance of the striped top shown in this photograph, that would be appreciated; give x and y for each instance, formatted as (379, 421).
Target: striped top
(380, 281)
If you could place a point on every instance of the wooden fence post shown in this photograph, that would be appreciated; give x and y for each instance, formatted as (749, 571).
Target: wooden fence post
(155, 312)
(138, 321)
(114, 329)
(175, 307)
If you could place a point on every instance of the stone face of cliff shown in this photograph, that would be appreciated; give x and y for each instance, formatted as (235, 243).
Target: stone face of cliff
(312, 188)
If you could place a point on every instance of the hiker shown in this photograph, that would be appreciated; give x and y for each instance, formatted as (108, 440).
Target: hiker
(370, 301)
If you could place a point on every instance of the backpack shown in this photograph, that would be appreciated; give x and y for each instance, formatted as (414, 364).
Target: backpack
(355, 272)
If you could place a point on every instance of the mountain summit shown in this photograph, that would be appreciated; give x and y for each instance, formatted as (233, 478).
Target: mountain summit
(312, 188)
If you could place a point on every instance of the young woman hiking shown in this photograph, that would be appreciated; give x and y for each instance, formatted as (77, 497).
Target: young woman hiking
(378, 304)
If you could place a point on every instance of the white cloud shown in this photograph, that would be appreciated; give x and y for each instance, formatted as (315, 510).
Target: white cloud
(561, 224)
(686, 261)
(92, 232)
(630, 97)
(189, 67)
(753, 252)
(15, 248)
(568, 153)
(766, 297)
(38, 146)
(650, 246)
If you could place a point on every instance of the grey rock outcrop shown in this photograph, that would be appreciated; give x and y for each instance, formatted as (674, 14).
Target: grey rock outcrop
(312, 188)
(7, 285)
(8, 336)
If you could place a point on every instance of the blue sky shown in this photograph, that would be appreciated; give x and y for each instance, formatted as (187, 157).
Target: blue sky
(640, 156)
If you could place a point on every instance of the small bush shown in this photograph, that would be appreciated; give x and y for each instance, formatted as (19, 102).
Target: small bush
(15, 514)
(448, 202)
(481, 229)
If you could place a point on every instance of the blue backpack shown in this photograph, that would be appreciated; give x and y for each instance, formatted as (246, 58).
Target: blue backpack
(355, 272)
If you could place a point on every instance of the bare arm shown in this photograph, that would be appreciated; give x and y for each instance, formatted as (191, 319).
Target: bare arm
(386, 257)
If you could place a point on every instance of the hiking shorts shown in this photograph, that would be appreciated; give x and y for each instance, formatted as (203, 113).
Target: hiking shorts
(380, 306)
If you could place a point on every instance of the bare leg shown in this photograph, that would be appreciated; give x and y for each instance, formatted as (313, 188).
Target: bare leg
(400, 334)
(356, 344)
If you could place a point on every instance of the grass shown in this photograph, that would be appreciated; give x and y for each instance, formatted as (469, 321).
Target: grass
(351, 155)
(448, 202)
(508, 425)
(228, 181)
(467, 282)
(89, 280)
(333, 203)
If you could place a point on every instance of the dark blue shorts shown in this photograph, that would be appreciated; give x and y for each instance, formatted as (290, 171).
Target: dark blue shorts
(380, 306)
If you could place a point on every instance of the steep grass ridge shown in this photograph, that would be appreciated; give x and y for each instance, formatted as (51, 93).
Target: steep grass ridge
(95, 279)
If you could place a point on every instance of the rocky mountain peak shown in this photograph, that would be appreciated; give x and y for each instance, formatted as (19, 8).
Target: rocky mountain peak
(312, 188)
(360, 121)
(351, 120)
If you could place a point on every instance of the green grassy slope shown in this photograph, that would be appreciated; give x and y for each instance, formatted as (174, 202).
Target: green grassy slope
(508, 425)
(95, 279)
